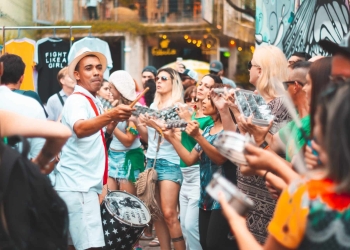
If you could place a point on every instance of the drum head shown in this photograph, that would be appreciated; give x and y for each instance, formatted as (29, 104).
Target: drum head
(128, 208)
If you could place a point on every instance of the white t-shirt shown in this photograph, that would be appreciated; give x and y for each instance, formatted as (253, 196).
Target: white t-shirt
(117, 145)
(166, 149)
(26, 106)
(54, 106)
(94, 44)
(82, 161)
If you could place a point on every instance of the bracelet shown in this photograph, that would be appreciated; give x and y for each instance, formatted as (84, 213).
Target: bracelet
(264, 145)
(264, 177)
(132, 130)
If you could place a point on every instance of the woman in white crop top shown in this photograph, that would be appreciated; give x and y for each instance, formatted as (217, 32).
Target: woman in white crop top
(125, 156)
(169, 91)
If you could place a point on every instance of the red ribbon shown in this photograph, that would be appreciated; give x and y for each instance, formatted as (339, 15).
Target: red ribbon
(105, 174)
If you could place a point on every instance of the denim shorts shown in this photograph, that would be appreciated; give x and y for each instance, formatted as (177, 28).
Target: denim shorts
(166, 170)
(116, 167)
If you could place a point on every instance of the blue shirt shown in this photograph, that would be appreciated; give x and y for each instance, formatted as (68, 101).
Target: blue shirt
(207, 169)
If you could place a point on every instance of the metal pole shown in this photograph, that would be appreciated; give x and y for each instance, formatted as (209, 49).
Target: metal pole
(4, 28)
(70, 37)
(43, 27)
(3, 36)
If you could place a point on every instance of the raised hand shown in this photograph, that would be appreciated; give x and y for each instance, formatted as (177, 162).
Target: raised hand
(121, 112)
(258, 158)
(193, 129)
(184, 112)
(259, 133)
(312, 161)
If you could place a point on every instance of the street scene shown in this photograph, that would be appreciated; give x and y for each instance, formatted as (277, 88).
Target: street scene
(174, 124)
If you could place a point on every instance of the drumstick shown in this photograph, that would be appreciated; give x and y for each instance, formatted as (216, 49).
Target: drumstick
(139, 97)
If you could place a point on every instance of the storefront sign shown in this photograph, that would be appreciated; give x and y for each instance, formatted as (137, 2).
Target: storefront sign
(164, 49)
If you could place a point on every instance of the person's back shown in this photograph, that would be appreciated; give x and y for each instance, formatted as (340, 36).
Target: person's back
(31, 94)
(11, 79)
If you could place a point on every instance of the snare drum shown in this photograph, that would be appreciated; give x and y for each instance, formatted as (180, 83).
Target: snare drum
(124, 217)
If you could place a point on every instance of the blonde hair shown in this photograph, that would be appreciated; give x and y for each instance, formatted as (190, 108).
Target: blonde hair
(61, 74)
(274, 70)
(177, 90)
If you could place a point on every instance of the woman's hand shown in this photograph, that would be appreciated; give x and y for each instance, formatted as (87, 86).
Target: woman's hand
(312, 161)
(169, 134)
(258, 158)
(184, 112)
(235, 220)
(272, 190)
(219, 100)
(259, 133)
(192, 129)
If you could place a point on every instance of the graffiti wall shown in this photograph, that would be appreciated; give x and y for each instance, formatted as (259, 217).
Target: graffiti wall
(298, 25)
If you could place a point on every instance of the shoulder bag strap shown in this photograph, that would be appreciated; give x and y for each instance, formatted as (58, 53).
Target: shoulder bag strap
(60, 98)
(105, 175)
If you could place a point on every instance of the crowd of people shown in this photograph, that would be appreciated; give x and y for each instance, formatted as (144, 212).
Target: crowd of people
(89, 141)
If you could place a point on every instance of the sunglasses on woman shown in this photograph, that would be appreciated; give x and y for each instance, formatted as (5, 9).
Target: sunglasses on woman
(162, 78)
(190, 99)
(287, 83)
(250, 65)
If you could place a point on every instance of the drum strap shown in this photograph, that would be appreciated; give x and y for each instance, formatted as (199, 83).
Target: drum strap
(105, 174)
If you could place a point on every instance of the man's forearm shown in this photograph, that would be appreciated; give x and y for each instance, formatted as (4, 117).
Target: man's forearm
(85, 128)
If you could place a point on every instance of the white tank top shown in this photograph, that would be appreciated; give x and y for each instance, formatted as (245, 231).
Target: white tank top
(117, 145)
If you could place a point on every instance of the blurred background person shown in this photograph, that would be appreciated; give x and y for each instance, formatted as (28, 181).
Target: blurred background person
(189, 78)
(56, 102)
(217, 68)
(105, 95)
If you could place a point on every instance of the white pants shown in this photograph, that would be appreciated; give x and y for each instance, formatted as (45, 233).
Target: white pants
(189, 211)
(85, 225)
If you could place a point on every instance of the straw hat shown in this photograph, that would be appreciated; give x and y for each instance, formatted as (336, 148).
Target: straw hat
(80, 55)
(124, 83)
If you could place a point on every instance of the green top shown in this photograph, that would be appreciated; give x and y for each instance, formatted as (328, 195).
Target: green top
(187, 141)
(291, 136)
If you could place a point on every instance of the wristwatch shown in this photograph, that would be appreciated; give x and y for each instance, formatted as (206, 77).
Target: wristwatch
(264, 145)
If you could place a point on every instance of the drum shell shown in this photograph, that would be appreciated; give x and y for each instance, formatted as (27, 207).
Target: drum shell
(119, 233)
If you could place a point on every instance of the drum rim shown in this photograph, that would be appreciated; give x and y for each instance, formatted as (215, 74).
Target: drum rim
(124, 221)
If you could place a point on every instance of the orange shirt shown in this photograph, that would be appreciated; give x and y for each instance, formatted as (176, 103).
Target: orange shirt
(25, 49)
(306, 207)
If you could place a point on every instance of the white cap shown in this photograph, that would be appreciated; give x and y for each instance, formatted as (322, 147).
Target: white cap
(124, 83)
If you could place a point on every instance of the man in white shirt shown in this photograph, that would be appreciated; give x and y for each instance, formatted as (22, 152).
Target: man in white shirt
(12, 78)
(56, 102)
(80, 172)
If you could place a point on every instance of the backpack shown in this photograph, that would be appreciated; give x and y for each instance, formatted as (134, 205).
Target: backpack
(32, 215)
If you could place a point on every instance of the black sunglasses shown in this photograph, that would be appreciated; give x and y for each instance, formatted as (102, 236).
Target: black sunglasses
(287, 83)
(163, 78)
(250, 65)
(190, 99)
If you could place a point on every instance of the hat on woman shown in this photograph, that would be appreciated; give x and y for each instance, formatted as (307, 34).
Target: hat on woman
(80, 55)
(124, 83)
(151, 69)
